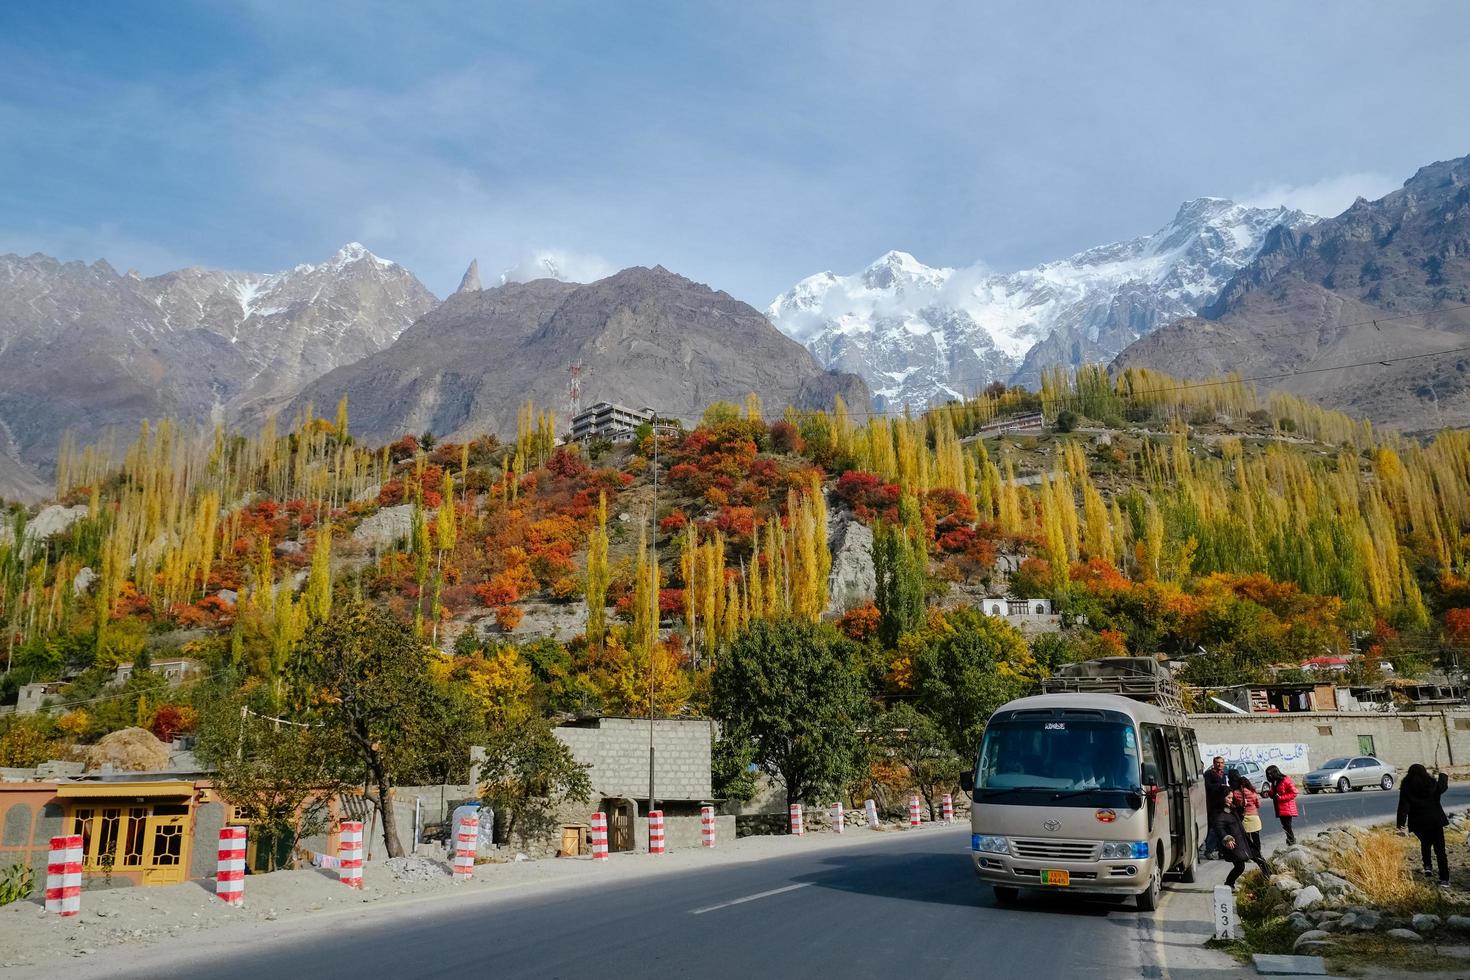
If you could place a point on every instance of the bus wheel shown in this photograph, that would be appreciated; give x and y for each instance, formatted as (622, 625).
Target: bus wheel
(1148, 900)
(1005, 895)
(1187, 875)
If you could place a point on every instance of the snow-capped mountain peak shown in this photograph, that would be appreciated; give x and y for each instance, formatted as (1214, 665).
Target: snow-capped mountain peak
(917, 333)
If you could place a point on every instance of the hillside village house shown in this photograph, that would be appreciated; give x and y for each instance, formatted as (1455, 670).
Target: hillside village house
(616, 750)
(149, 828)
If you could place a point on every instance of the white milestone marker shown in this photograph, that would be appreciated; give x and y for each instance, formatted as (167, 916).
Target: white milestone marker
(1227, 925)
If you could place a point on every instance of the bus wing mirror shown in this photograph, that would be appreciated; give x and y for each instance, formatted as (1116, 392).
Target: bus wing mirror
(1153, 792)
(967, 782)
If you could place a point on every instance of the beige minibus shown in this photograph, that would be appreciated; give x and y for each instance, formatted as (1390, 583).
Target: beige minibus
(1085, 792)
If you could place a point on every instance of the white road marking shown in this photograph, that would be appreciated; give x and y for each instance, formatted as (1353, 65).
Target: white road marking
(750, 898)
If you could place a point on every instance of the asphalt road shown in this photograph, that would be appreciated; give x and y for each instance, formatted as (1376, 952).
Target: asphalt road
(907, 908)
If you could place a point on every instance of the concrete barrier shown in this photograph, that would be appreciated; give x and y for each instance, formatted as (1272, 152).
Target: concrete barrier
(229, 882)
(64, 876)
(349, 853)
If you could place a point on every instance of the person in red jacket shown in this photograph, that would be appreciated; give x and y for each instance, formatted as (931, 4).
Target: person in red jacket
(1282, 792)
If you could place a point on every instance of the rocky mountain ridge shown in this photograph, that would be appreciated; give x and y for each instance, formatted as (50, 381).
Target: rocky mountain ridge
(643, 337)
(86, 349)
(919, 334)
(1385, 286)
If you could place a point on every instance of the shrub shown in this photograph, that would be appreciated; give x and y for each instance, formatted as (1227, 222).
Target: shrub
(16, 883)
(1376, 863)
(508, 617)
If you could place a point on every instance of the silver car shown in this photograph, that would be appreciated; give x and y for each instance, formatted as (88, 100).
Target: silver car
(1350, 772)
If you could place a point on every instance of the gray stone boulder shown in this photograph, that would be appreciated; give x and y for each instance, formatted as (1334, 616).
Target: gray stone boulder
(853, 580)
(1333, 885)
(288, 547)
(1348, 920)
(1327, 915)
(1313, 938)
(81, 584)
(1366, 921)
(1287, 883)
(1300, 921)
(1407, 935)
(1459, 922)
(386, 527)
(1424, 922)
(1307, 897)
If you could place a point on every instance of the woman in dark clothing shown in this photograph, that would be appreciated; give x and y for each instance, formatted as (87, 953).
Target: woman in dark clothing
(1235, 847)
(1420, 811)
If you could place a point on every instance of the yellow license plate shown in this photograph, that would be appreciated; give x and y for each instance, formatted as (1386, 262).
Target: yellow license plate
(1050, 877)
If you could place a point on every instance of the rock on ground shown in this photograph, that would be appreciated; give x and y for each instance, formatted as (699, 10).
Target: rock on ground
(1309, 895)
(1408, 935)
(1424, 922)
(853, 579)
(387, 526)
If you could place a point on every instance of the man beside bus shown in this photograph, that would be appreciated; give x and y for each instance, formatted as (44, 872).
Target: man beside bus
(1217, 791)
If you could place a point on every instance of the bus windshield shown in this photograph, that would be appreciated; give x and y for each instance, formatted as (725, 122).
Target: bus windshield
(1058, 755)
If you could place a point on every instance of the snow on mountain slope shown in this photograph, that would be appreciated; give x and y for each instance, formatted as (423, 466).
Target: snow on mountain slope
(918, 334)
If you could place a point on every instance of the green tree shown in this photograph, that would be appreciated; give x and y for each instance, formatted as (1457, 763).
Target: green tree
(283, 775)
(967, 669)
(790, 688)
(364, 677)
(898, 566)
(527, 774)
(914, 741)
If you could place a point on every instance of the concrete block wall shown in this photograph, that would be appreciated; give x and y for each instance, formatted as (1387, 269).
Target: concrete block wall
(616, 749)
(1399, 739)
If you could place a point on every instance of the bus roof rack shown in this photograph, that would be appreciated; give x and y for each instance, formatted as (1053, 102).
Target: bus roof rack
(1139, 678)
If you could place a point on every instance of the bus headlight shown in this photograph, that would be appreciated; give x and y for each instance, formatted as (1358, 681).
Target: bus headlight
(989, 844)
(1125, 850)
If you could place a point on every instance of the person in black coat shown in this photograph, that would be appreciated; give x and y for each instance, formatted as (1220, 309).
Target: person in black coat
(1423, 816)
(1217, 790)
(1235, 846)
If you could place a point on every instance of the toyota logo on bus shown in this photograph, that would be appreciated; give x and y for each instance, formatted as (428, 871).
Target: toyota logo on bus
(1052, 824)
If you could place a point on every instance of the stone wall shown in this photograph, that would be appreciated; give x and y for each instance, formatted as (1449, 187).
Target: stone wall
(1399, 739)
(617, 751)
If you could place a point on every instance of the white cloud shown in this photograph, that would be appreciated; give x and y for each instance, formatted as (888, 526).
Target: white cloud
(1327, 198)
(550, 263)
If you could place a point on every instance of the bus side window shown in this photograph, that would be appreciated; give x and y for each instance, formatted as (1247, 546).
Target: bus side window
(1152, 772)
(1191, 757)
(1178, 763)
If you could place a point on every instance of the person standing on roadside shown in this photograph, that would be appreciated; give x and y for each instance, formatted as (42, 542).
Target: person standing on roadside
(1217, 791)
(1421, 814)
(1282, 792)
(1246, 803)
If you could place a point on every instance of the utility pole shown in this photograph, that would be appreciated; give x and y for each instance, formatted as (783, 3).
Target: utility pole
(653, 618)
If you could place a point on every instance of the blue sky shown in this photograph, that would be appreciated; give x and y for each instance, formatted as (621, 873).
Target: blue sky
(746, 145)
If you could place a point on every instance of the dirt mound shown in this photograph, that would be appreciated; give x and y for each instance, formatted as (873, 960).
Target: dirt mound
(131, 750)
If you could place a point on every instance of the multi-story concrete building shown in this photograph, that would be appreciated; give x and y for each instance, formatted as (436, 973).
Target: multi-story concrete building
(610, 421)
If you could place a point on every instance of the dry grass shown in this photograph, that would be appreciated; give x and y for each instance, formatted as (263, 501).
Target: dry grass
(1379, 867)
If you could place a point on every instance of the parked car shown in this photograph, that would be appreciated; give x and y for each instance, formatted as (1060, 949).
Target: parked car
(1350, 772)
(1253, 771)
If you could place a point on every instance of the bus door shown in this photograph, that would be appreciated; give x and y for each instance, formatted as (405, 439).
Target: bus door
(1166, 805)
(1179, 823)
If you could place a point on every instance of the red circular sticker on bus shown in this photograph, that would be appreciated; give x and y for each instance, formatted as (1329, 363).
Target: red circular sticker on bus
(1106, 815)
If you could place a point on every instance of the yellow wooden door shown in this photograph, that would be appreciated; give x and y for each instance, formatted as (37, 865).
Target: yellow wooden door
(166, 843)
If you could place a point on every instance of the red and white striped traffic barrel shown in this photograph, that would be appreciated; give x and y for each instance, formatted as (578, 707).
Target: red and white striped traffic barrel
(655, 831)
(466, 839)
(948, 808)
(838, 819)
(599, 836)
(349, 853)
(64, 876)
(871, 809)
(914, 818)
(797, 829)
(229, 881)
(707, 826)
